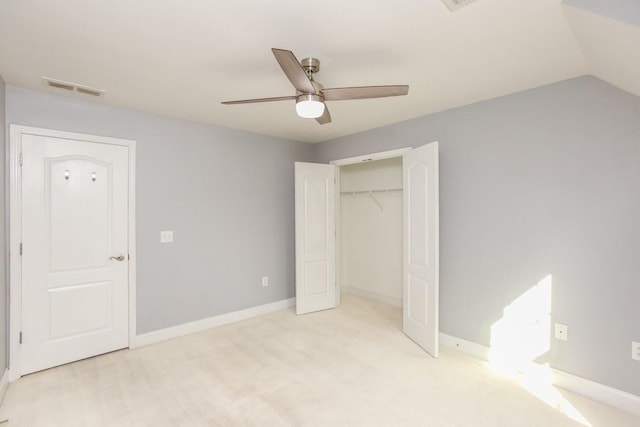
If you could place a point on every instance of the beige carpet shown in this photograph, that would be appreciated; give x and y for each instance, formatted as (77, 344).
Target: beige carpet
(346, 367)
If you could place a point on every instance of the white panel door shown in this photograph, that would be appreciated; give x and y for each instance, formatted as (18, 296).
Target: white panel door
(420, 282)
(75, 250)
(315, 237)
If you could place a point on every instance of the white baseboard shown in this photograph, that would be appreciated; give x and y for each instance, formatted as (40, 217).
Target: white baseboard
(375, 296)
(211, 322)
(596, 391)
(591, 389)
(4, 384)
(471, 348)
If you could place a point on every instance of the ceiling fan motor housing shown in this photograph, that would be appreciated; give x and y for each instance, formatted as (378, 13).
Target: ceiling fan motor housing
(310, 97)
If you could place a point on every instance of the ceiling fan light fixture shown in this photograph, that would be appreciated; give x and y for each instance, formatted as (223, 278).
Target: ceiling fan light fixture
(309, 106)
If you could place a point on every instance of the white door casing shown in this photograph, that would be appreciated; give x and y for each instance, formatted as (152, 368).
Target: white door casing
(74, 283)
(421, 247)
(315, 237)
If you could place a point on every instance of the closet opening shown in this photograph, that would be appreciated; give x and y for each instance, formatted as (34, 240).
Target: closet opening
(370, 236)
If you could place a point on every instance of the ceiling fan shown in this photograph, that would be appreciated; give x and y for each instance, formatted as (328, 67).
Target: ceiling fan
(310, 95)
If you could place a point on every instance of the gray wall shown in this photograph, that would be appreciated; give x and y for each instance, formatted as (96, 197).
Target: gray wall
(4, 314)
(541, 182)
(226, 194)
(622, 10)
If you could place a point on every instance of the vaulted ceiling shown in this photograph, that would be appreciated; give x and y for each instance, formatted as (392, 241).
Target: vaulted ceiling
(182, 58)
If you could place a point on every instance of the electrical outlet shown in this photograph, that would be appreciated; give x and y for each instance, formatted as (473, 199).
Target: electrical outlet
(166, 237)
(635, 350)
(561, 332)
(265, 281)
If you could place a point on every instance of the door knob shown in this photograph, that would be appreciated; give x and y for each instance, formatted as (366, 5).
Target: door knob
(117, 258)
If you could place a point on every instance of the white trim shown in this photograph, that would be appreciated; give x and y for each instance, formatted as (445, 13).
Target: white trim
(375, 296)
(15, 236)
(596, 391)
(212, 322)
(133, 260)
(338, 241)
(15, 231)
(591, 389)
(468, 347)
(4, 385)
(371, 157)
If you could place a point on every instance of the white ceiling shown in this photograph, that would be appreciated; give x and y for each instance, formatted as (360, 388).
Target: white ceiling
(182, 58)
(611, 48)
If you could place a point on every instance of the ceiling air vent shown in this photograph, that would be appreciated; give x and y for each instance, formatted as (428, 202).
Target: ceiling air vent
(72, 87)
(456, 4)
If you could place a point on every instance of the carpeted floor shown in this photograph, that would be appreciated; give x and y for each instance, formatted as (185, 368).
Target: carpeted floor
(351, 366)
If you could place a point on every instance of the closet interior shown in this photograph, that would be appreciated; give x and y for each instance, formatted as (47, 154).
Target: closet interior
(371, 230)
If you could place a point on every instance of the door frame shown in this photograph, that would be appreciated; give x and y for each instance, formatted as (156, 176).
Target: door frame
(15, 231)
(381, 155)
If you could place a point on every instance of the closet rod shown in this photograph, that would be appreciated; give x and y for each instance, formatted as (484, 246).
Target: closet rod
(387, 190)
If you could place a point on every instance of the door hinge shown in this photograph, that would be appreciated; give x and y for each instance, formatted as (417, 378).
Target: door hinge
(20, 248)
(20, 338)
(20, 159)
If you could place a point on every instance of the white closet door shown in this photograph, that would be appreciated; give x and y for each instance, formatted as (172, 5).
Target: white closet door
(75, 261)
(315, 237)
(420, 281)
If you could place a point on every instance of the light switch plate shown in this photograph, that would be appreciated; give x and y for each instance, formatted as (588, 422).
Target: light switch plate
(166, 237)
(635, 350)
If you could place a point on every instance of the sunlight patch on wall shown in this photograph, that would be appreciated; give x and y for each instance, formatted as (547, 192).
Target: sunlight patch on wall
(521, 336)
(524, 331)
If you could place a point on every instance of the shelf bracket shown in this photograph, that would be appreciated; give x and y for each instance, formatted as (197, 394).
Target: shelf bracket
(375, 200)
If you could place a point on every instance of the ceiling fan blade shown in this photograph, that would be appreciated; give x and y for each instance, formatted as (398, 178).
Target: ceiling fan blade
(325, 117)
(294, 71)
(364, 92)
(251, 101)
